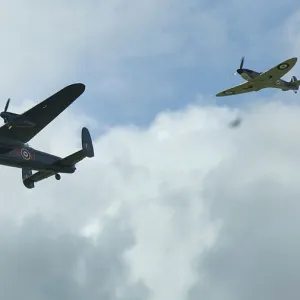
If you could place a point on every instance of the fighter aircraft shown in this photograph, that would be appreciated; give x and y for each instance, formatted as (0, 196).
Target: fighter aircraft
(261, 80)
(19, 129)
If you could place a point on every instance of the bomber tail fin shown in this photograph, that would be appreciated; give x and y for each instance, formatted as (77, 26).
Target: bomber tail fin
(29, 179)
(86, 151)
(87, 144)
(26, 173)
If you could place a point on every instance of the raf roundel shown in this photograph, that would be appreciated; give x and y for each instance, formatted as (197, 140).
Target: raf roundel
(283, 66)
(228, 92)
(25, 154)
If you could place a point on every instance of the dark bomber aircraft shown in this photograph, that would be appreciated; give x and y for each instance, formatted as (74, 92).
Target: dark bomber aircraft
(19, 129)
(261, 80)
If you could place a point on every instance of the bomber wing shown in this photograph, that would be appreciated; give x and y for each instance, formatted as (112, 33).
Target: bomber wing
(43, 113)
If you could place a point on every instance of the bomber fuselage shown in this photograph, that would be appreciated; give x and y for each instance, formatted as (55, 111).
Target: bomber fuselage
(23, 156)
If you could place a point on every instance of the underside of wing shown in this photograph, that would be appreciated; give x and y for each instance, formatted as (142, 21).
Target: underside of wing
(245, 87)
(277, 72)
(43, 113)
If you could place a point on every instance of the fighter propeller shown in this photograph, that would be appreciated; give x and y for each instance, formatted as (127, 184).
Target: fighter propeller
(241, 66)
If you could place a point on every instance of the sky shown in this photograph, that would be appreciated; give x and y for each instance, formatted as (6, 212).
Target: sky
(175, 204)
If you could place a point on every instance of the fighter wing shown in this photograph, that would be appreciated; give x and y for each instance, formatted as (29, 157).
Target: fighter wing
(43, 113)
(278, 71)
(245, 87)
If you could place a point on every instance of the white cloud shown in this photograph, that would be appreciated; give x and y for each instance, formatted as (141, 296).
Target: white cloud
(148, 196)
(144, 180)
(162, 185)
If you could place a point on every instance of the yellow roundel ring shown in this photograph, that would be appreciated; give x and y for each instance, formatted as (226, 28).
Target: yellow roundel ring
(25, 154)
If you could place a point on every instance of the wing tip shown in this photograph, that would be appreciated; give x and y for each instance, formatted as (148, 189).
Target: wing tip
(225, 93)
(292, 60)
(74, 89)
(79, 86)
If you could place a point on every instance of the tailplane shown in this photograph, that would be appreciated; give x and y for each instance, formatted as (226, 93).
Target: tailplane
(64, 165)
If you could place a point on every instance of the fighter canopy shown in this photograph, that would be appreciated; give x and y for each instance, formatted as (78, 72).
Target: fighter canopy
(14, 120)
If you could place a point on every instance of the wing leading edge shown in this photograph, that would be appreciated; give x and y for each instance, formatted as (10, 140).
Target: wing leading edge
(44, 113)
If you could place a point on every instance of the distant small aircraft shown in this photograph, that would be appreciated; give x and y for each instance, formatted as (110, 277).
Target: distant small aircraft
(235, 123)
(261, 80)
(19, 129)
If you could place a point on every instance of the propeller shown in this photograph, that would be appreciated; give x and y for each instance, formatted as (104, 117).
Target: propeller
(4, 114)
(12, 119)
(241, 64)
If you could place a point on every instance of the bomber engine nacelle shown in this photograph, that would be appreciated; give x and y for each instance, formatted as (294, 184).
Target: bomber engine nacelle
(15, 120)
